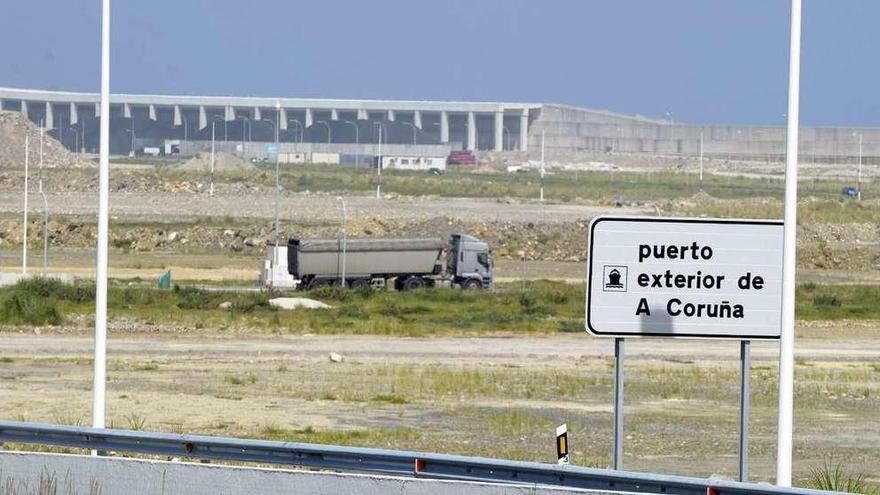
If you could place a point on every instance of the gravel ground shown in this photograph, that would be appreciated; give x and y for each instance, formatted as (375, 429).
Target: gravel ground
(443, 393)
(319, 208)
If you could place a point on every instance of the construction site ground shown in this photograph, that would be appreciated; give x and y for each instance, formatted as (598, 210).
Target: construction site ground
(500, 395)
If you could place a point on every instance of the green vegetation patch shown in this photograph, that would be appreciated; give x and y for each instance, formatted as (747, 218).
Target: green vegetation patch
(836, 302)
(544, 307)
(364, 438)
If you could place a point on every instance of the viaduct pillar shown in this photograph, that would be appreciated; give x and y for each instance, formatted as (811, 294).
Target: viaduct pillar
(471, 131)
(499, 130)
(524, 130)
(49, 122)
(444, 127)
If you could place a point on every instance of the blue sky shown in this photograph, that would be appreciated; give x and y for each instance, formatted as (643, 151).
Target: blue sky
(700, 60)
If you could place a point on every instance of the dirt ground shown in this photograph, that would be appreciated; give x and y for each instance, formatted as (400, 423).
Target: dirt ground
(500, 397)
(317, 208)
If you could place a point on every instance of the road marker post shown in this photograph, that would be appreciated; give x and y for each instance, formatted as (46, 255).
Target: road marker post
(562, 444)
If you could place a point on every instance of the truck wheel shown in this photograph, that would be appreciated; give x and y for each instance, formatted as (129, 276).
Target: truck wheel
(472, 284)
(413, 283)
(359, 283)
(317, 283)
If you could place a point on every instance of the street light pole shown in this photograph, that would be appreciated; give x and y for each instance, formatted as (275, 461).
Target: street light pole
(24, 228)
(100, 361)
(789, 264)
(300, 126)
(342, 281)
(701, 161)
(75, 138)
(277, 186)
(211, 176)
(542, 165)
(379, 165)
(357, 142)
(131, 152)
(45, 204)
(415, 131)
(213, 133)
(859, 184)
(245, 125)
(328, 129)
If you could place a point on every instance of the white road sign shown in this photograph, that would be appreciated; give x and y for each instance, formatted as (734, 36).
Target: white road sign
(684, 277)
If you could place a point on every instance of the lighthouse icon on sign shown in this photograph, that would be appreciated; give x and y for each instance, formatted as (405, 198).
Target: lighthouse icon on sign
(614, 278)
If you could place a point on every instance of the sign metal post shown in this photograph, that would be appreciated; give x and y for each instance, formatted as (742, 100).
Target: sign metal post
(684, 277)
(617, 459)
(745, 360)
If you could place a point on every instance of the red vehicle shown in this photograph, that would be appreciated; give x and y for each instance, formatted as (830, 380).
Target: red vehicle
(461, 157)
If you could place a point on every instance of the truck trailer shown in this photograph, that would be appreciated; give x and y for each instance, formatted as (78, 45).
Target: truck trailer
(409, 263)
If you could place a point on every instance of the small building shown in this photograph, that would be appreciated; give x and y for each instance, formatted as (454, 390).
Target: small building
(328, 158)
(414, 162)
(297, 157)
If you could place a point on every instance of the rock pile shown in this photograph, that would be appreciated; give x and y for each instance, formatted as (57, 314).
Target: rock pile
(223, 162)
(13, 128)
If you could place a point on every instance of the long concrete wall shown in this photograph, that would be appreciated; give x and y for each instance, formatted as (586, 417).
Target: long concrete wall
(577, 129)
(259, 149)
(33, 473)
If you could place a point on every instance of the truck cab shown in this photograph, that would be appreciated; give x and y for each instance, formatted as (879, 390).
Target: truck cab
(469, 263)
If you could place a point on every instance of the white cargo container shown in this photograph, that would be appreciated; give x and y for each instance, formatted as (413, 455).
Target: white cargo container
(292, 157)
(329, 158)
(414, 162)
(172, 147)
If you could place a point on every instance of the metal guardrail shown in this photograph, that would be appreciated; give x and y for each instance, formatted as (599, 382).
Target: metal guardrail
(380, 461)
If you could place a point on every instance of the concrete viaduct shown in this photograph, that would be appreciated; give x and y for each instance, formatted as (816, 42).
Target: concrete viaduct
(483, 126)
(440, 121)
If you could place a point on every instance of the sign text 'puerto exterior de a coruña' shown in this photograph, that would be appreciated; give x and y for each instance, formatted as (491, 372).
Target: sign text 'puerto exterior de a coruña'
(684, 277)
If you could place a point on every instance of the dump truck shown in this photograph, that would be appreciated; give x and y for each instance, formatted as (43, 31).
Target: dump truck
(410, 263)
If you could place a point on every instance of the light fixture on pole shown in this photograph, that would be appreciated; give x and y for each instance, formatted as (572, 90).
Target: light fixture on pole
(100, 361)
(786, 341)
